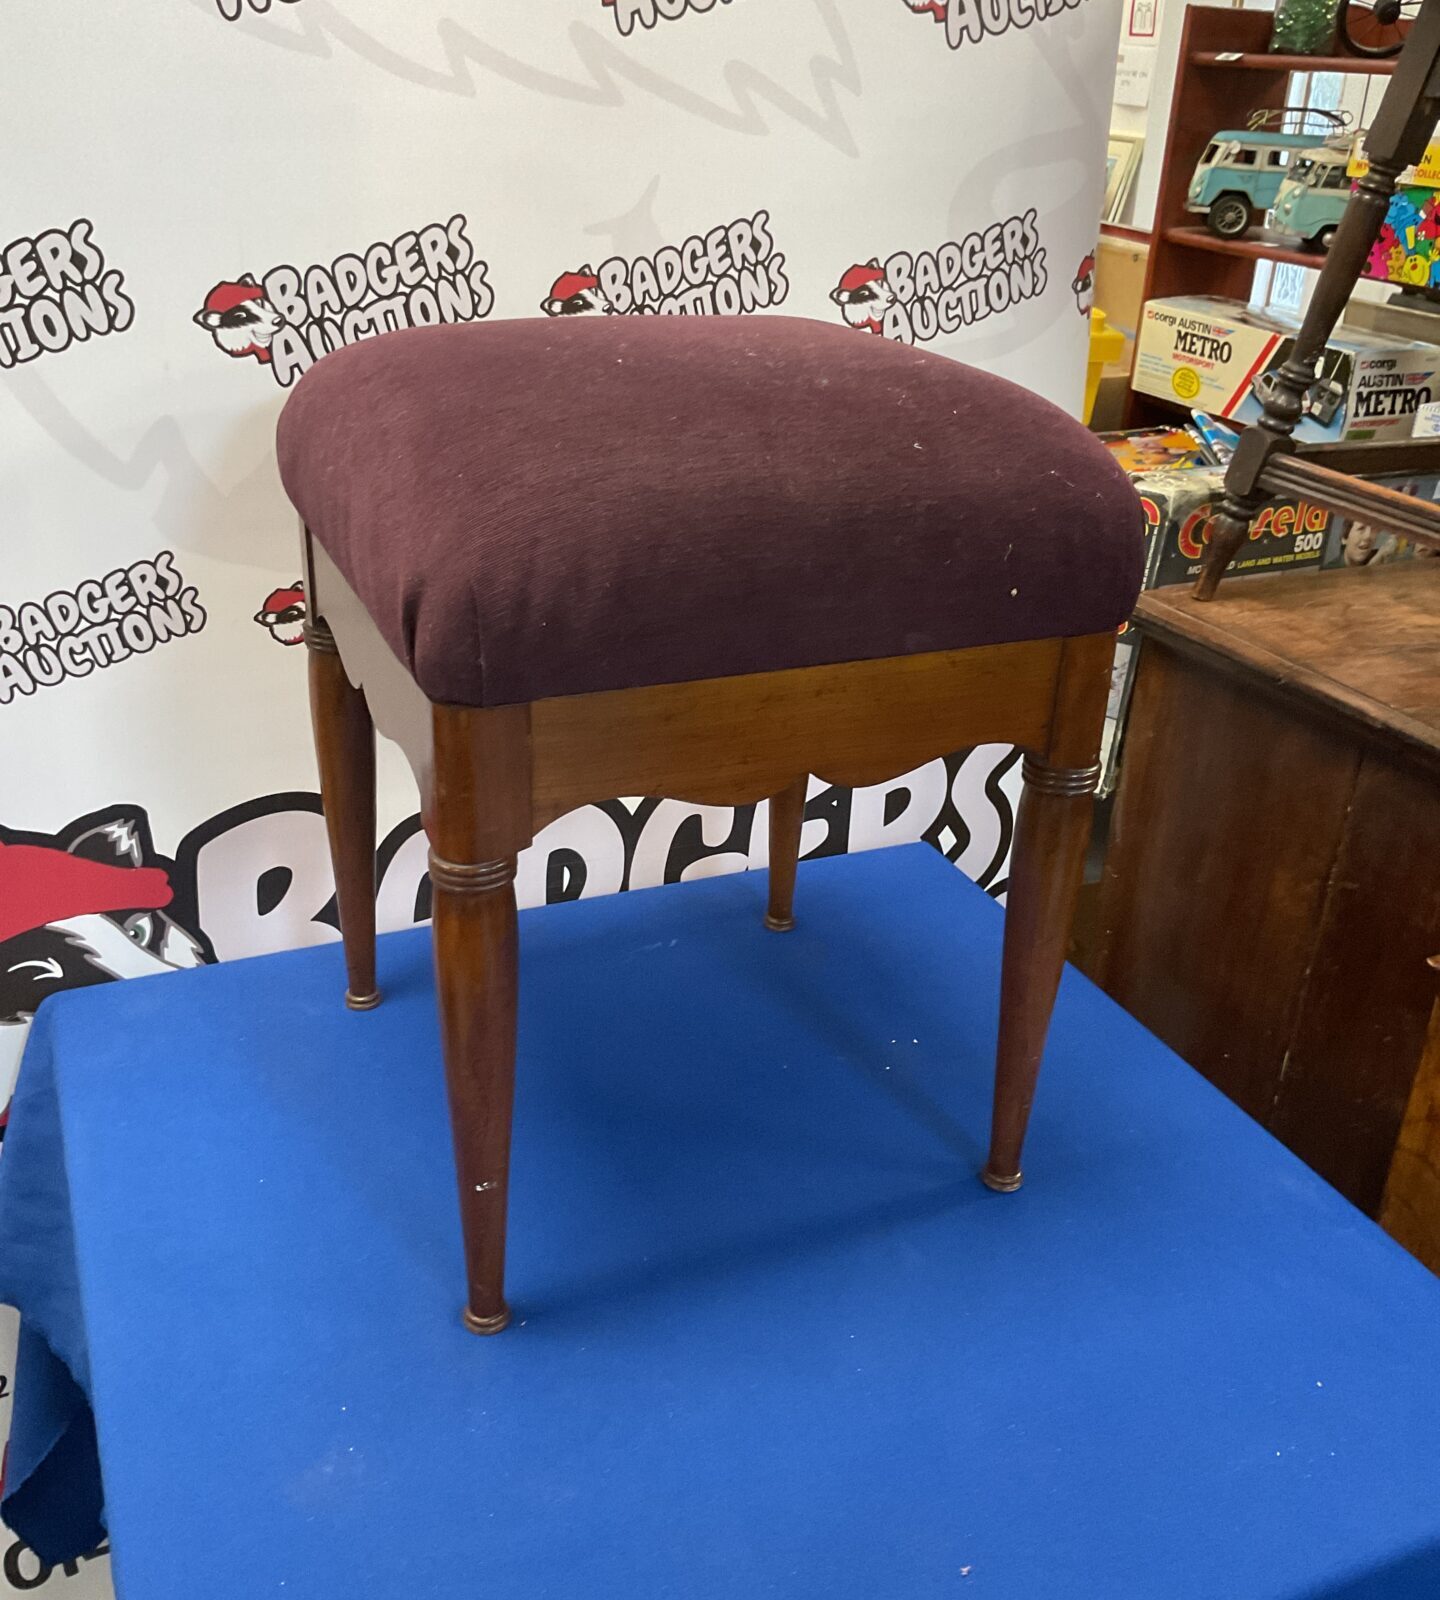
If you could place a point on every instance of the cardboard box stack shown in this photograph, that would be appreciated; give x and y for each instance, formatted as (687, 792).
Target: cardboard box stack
(1179, 489)
(1211, 353)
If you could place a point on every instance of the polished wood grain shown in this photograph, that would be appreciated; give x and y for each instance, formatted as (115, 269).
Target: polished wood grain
(1376, 458)
(787, 819)
(1052, 830)
(1227, 818)
(345, 752)
(1411, 1209)
(491, 778)
(1303, 478)
(1360, 1029)
(1357, 647)
(733, 741)
(481, 802)
(1271, 892)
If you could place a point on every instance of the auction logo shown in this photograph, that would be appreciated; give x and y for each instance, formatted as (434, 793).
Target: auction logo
(648, 12)
(731, 270)
(974, 21)
(55, 291)
(1083, 286)
(916, 298)
(290, 317)
(283, 614)
(74, 632)
(233, 10)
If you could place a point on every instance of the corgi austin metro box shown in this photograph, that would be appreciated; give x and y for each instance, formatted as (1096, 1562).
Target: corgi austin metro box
(1210, 353)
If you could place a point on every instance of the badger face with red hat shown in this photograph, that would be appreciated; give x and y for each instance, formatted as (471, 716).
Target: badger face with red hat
(1084, 286)
(88, 905)
(284, 614)
(864, 296)
(85, 906)
(577, 294)
(240, 319)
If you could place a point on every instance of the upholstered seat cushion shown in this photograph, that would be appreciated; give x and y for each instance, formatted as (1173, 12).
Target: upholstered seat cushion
(537, 508)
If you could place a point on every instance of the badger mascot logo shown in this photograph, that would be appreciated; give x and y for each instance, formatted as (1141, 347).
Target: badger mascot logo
(577, 294)
(936, 8)
(240, 319)
(864, 296)
(284, 614)
(88, 905)
(1084, 286)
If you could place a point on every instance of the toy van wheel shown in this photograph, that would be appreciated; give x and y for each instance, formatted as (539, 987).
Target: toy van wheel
(1325, 238)
(1229, 216)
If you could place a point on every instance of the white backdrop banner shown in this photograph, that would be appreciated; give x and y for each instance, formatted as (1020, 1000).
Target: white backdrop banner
(201, 198)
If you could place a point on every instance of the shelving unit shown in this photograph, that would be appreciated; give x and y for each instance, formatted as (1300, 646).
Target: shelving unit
(1257, 245)
(1224, 73)
(1264, 61)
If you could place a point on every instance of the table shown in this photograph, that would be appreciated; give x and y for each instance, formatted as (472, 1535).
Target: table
(1271, 894)
(772, 1336)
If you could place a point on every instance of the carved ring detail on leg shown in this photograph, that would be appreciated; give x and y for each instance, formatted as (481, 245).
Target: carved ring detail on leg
(1039, 775)
(471, 877)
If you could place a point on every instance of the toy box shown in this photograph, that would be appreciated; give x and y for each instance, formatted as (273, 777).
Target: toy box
(1407, 251)
(1179, 507)
(1142, 450)
(1351, 543)
(1210, 353)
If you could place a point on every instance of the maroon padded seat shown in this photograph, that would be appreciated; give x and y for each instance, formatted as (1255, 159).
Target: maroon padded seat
(553, 507)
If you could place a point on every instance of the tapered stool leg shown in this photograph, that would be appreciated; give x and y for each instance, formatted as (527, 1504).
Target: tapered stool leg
(787, 817)
(345, 750)
(477, 976)
(1051, 833)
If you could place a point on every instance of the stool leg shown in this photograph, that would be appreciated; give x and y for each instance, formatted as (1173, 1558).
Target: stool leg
(345, 750)
(1051, 833)
(477, 977)
(787, 817)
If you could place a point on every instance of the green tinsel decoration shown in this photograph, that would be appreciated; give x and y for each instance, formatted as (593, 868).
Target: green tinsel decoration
(1304, 27)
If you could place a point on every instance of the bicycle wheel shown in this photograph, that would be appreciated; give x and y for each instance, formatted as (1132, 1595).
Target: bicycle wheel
(1377, 29)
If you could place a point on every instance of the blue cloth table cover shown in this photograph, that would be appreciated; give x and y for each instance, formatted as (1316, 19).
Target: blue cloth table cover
(772, 1337)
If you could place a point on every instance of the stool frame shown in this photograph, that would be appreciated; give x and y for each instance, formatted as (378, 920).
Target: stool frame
(491, 778)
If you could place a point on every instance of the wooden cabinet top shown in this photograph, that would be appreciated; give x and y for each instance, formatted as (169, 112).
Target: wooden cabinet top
(1362, 647)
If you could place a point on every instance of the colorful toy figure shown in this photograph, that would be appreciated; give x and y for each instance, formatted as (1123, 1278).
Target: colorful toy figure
(1408, 249)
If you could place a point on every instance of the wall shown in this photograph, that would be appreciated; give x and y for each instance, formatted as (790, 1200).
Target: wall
(369, 164)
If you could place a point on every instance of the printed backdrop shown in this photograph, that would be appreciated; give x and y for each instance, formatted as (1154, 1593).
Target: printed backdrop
(203, 197)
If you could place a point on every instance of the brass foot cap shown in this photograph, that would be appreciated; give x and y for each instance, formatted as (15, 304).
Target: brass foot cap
(362, 1002)
(495, 1324)
(779, 924)
(1002, 1185)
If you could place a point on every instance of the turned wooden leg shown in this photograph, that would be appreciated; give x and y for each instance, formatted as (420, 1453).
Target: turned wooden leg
(478, 816)
(1047, 864)
(787, 816)
(345, 749)
(476, 974)
(1051, 833)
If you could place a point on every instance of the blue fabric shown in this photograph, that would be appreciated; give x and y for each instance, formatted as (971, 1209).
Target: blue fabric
(772, 1338)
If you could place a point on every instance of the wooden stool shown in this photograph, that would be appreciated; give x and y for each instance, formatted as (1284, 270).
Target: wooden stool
(701, 558)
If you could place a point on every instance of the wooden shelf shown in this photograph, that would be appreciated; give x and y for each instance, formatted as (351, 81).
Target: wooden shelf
(1211, 93)
(1258, 61)
(1257, 245)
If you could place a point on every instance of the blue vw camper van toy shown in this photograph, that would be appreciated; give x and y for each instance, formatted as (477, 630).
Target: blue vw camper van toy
(1313, 197)
(1238, 177)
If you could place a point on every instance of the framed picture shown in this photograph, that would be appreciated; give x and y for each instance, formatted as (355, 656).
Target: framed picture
(1121, 159)
(1142, 19)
